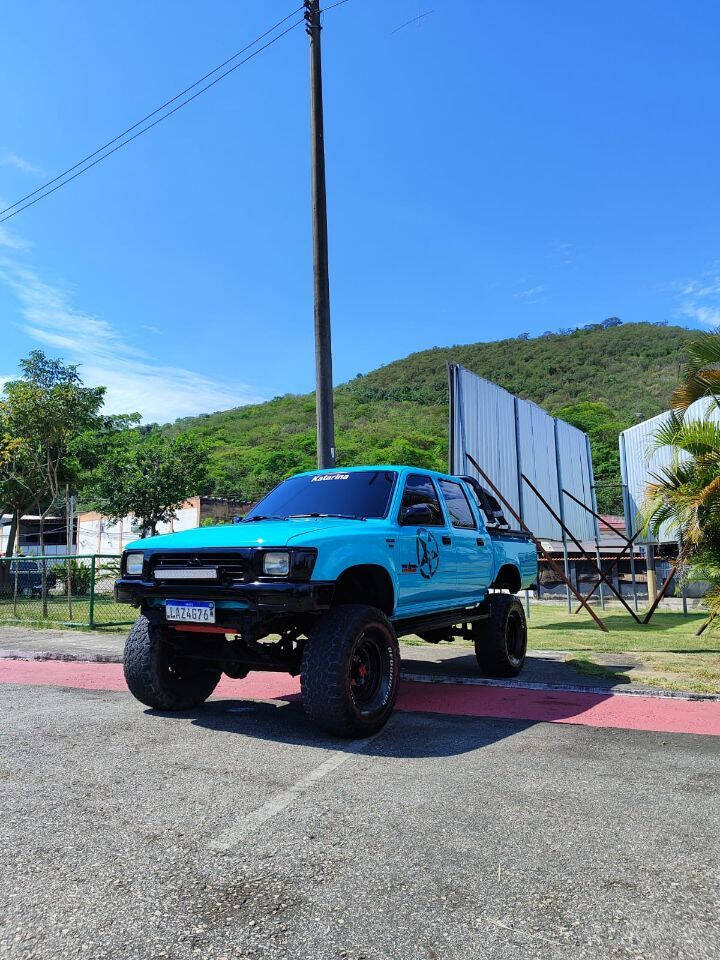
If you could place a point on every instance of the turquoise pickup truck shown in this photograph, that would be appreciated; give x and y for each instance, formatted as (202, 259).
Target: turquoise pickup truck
(320, 579)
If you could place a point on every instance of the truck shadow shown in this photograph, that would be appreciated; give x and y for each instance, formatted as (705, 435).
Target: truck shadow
(546, 667)
(441, 726)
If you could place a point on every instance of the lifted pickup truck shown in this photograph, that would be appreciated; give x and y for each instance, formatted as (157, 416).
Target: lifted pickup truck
(320, 579)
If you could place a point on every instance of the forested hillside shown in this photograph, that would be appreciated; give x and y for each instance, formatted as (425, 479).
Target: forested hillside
(601, 378)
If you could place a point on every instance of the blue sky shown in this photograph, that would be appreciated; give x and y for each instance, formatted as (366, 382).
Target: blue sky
(498, 168)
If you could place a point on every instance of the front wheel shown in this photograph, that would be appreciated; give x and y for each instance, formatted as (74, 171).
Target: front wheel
(351, 670)
(161, 678)
(501, 641)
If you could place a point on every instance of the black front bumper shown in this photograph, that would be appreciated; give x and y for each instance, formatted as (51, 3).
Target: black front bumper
(266, 597)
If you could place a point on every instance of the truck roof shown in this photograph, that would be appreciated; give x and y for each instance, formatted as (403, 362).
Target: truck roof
(378, 466)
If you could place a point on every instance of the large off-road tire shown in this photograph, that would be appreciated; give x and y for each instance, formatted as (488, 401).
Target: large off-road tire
(158, 677)
(501, 641)
(351, 670)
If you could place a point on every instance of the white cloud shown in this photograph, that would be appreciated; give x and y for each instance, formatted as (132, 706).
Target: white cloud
(19, 163)
(699, 299)
(707, 316)
(8, 239)
(134, 381)
(531, 295)
(563, 252)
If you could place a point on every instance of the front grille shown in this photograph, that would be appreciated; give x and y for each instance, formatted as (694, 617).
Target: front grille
(232, 567)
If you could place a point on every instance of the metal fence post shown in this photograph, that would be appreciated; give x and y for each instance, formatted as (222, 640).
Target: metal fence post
(91, 616)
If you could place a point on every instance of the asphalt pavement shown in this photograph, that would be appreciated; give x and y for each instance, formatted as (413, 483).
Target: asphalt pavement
(238, 831)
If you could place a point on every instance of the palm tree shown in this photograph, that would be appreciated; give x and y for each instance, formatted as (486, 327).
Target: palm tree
(685, 496)
(701, 377)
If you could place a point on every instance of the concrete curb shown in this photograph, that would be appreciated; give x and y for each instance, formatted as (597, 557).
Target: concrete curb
(413, 677)
(657, 692)
(64, 657)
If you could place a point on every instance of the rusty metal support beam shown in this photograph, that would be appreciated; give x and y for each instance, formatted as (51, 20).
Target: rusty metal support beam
(551, 563)
(629, 541)
(663, 589)
(580, 547)
(703, 626)
(660, 594)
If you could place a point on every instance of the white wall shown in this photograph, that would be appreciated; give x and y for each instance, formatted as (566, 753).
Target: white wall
(97, 534)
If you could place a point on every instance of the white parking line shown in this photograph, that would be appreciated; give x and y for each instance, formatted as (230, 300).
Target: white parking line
(230, 837)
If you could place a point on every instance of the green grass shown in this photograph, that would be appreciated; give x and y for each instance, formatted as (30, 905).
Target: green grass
(665, 653)
(553, 628)
(28, 612)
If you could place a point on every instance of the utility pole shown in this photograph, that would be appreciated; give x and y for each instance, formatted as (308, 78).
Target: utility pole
(321, 282)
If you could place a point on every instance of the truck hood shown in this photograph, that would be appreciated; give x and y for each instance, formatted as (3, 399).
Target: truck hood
(264, 533)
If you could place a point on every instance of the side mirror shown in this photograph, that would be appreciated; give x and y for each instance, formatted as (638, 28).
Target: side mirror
(416, 515)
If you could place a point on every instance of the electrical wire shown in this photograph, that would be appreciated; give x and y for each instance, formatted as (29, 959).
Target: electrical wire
(123, 143)
(151, 114)
(333, 5)
(418, 19)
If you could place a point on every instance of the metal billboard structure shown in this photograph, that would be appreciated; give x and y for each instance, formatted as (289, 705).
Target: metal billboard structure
(510, 437)
(640, 460)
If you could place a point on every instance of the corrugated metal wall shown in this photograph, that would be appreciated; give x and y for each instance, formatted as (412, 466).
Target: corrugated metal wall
(639, 460)
(509, 436)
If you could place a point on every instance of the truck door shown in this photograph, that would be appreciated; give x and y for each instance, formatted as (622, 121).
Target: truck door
(470, 542)
(426, 563)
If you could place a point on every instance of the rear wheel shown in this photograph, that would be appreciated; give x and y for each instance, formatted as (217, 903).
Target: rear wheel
(350, 671)
(158, 676)
(501, 641)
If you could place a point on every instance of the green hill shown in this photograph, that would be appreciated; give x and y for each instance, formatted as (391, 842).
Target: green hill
(600, 378)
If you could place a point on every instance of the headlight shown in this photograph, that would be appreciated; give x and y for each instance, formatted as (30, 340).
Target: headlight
(276, 564)
(134, 564)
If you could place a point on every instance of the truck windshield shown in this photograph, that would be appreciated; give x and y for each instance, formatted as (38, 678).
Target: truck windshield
(359, 495)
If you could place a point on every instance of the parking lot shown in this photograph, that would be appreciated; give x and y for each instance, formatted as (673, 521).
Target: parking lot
(238, 830)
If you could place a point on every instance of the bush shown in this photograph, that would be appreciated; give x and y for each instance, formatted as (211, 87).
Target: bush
(80, 576)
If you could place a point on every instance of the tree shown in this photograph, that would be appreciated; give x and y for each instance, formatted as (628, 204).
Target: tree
(17, 481)
(702, 372)
(44, 414)
(685, 496)
(603, 426)
(149, 477)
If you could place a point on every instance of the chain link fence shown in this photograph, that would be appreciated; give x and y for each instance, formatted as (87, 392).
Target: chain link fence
(62, 591)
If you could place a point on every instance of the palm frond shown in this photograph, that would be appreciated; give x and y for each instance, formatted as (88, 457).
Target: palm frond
(701, 377)
(695, 437)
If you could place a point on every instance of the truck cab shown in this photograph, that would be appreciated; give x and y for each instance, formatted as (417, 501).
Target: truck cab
(406, 549)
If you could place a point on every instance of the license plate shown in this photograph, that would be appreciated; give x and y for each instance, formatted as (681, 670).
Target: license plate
(194, 611)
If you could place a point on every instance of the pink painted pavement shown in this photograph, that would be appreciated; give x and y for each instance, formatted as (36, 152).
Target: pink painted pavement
(661, 714)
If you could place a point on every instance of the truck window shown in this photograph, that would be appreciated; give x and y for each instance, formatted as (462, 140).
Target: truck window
(461, 514)
(359, 493)
(420, 489)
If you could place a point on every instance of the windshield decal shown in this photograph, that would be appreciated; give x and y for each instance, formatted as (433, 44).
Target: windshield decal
(330, 476)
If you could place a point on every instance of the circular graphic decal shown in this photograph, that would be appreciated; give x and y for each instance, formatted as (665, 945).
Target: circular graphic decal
(428, 553)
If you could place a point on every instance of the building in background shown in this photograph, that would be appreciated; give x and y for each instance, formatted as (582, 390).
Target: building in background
(640, 461)
(27, 541)
(95, 533)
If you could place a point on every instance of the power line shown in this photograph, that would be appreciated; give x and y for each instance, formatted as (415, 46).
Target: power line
(333, 5)
(15, 208)
(152, 113)
(418, 19)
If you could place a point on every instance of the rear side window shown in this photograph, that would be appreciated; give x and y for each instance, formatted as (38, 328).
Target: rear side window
(460, 511)
(420, 489)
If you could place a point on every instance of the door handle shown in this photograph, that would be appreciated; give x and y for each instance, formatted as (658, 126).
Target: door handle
(447, 541)
(480, 542)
